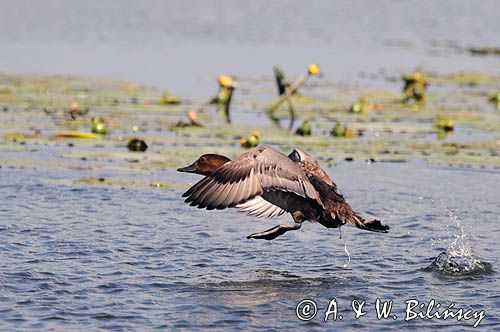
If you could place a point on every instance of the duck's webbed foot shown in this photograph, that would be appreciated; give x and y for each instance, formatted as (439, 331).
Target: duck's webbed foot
(274, 232)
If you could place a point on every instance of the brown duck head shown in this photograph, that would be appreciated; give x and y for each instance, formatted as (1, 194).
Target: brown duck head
(206, 164)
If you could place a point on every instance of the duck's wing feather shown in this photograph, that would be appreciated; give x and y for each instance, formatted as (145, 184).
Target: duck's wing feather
(251, 174)
(260, 208)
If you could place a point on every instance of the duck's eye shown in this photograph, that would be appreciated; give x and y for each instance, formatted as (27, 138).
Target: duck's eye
(202, 159)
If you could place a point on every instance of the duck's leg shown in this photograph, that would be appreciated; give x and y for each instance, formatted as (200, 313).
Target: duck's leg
(276, 231)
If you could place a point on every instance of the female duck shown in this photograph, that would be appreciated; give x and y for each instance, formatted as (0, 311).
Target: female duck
(265, 183)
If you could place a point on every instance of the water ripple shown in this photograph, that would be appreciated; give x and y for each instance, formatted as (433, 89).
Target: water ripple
(77, 259)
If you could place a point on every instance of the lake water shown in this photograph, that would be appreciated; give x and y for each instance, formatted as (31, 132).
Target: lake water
(121, 259)
(75, 257)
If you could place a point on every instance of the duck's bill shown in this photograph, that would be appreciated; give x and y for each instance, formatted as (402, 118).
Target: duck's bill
(188, 169)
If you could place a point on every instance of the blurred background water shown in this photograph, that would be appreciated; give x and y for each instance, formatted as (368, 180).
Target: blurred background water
(182, 45)
(81, 257)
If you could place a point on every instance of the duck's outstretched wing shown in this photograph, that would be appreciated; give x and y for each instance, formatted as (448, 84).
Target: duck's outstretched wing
(248, 176)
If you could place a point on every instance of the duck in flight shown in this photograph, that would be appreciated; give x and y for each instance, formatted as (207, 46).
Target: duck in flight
(265, 183)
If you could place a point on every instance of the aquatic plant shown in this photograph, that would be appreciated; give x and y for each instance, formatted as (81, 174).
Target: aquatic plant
(444, 123)
(168, 99)
(75, 110)
(394, 135)
(495, 99)
(193, 121)
(252, 141)
(223, 100)
(15, 137)
(289, 91)
(362, 106)
(341, 130)
(484, 51)
(98, 126)
(415, 88)
(76, 134)
(304, 129)
(137, 145)
(281, 82)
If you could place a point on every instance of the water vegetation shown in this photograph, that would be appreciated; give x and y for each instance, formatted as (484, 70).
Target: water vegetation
(34, 121)
(227, 84)
(495, 99)
(478, 50)
(362, 106)
(444, 123)
(251, 141)
(304, 129)
(98, 126)
(415, 88)
(137, 145)
(168, 99)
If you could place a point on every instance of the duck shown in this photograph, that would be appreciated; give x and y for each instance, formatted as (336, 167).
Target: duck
(265, 183)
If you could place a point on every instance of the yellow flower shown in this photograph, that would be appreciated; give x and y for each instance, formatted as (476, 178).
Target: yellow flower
(313, 69)
(256, 133)
(74, 106)
(416, 76)
(192, 116)
(225, 81)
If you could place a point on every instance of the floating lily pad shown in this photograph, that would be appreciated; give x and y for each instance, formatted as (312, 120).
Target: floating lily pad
(76, 134)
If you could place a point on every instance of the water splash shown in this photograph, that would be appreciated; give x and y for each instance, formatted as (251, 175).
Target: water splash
(348, 257)
(459, 258)
(344, 266)
(460, 246)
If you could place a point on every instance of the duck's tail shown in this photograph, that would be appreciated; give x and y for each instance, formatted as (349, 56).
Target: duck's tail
(343, 214)
(370, 225)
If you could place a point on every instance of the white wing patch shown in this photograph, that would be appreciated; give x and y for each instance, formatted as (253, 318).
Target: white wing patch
(260, 208)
